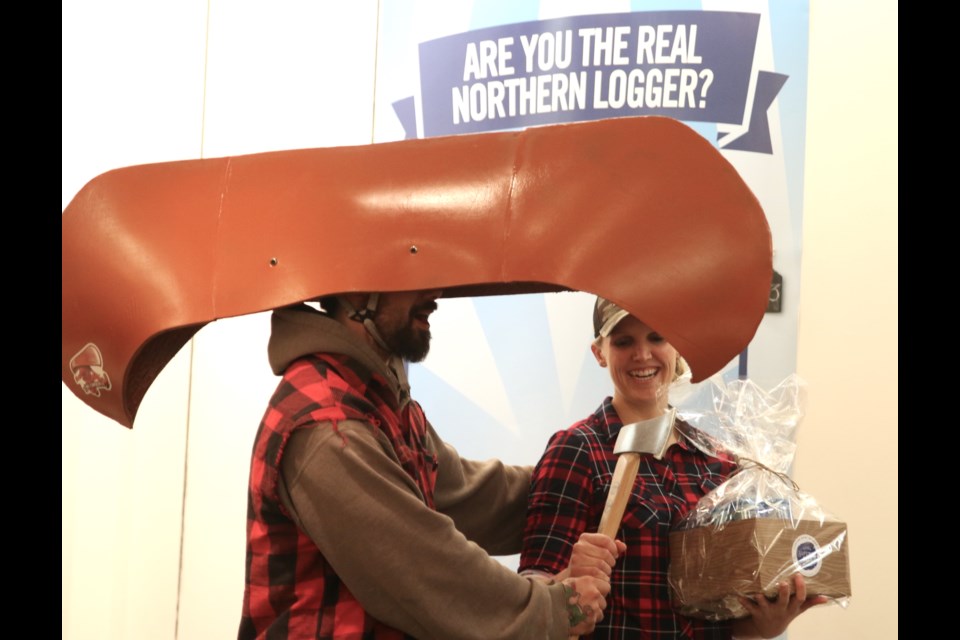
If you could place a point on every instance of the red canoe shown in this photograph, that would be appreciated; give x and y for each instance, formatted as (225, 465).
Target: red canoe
(643, 211)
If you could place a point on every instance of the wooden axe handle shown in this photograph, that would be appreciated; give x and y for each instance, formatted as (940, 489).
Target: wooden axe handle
(624, 475)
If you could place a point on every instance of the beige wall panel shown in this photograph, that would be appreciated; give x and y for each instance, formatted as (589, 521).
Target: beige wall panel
(848, 342)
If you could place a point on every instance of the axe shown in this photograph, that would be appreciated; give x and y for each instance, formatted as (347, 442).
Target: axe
(646, 436)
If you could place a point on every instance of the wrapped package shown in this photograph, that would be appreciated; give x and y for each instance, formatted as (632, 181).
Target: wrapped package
(757, 529)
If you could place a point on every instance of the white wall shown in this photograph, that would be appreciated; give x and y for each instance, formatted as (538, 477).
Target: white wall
(153, 519)
(149, 82)
(128, 97)
(848, 340)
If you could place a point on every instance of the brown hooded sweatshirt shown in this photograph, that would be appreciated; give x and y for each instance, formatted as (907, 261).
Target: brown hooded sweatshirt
(424, 571)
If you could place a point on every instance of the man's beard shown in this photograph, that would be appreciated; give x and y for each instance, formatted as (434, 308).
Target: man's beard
(409, 343)
(403, 338)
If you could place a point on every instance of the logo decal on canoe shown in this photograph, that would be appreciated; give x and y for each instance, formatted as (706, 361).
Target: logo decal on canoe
(88, 372)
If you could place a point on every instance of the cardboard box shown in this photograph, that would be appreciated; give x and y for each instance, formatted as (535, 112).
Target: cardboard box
(710, 566)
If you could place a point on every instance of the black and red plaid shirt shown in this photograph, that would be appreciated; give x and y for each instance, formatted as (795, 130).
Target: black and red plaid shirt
(291, 590)
(568, 493)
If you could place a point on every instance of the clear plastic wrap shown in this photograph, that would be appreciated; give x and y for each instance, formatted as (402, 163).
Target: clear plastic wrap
(757, 529)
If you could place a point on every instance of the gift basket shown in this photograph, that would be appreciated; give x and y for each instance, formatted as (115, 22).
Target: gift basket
(757, 529)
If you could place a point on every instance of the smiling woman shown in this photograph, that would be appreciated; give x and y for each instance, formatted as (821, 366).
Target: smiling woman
(642, 363)
(577, 473)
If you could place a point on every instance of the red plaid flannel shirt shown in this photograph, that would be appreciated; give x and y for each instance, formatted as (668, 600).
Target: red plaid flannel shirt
(568, 493)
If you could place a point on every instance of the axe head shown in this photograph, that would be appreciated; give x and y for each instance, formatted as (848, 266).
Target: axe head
(646, 436)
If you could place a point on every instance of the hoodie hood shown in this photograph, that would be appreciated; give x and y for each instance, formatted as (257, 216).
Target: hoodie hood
(301, 330)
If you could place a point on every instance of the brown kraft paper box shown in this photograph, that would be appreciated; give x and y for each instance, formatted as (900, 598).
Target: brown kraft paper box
(711, 566)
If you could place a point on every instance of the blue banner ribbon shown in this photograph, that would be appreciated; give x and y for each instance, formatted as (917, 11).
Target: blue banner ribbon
(688, 65)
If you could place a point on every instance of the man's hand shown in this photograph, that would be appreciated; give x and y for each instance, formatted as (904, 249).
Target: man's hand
(769, 618)
(586, 600)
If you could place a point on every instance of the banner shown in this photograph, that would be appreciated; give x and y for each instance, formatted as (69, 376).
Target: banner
(672, 63)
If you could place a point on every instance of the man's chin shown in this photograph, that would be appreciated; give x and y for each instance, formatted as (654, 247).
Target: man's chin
(416, 356)
(412, 346)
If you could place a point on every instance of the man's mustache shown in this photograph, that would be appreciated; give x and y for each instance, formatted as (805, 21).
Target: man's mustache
(430, 306)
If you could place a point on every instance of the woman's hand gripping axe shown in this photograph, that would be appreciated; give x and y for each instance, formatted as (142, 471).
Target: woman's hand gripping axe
(647, 436)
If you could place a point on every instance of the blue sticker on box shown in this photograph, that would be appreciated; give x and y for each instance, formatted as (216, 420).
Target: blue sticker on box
(806, 555)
